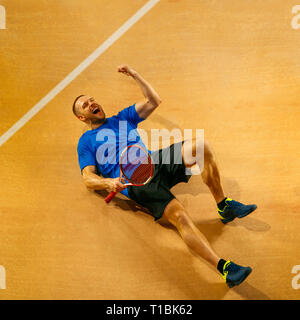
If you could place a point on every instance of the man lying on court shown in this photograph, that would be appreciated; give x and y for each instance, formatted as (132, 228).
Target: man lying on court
(156, 195)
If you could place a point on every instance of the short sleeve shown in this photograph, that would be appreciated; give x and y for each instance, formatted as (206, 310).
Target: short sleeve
(85, 155)
(130, 115)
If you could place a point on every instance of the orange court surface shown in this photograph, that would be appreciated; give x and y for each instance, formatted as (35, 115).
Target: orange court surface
(229, 67)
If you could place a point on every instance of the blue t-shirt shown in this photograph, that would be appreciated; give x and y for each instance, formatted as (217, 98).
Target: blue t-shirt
(101, 147)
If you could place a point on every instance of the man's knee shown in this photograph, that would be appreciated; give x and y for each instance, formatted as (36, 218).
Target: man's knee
(182, 219)
(176, 215)
(193, 149)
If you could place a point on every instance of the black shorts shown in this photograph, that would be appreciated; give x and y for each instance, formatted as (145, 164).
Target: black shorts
(169, 170)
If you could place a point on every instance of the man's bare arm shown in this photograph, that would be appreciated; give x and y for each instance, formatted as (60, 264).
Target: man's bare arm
(95, 182)
(146, 107)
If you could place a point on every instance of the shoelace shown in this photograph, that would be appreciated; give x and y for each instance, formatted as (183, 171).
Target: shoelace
(225, 269)
(229, 266)
(227, 204)
(232, 267)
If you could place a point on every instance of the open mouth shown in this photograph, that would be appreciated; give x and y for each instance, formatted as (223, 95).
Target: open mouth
(96, 110)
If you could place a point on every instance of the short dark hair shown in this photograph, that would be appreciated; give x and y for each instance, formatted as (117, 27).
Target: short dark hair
(74, 104)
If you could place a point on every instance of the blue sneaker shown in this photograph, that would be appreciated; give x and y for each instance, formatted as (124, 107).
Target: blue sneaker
(234, 274)
(234, 209)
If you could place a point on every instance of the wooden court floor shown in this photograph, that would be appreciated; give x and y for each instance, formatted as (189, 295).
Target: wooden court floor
(229, 67)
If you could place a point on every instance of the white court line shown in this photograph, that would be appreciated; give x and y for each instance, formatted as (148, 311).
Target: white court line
(71, 76)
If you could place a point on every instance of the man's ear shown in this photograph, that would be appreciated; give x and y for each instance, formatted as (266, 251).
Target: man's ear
(82, 118)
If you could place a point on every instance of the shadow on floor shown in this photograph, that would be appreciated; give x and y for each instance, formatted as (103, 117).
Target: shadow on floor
(251, 224)
(212, 228)
(122, 202)
(195, 186)
(248, 292)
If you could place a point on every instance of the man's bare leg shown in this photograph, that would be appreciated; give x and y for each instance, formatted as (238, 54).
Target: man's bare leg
(194, 239)
(210, 173)
(193, 152)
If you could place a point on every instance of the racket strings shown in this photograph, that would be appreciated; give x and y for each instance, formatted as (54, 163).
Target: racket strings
(141, 174)
(136, 165)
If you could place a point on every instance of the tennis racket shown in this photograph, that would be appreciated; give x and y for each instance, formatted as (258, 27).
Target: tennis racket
(135, 166)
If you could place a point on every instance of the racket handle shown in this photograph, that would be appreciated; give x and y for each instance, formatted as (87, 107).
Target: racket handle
(110, 196)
